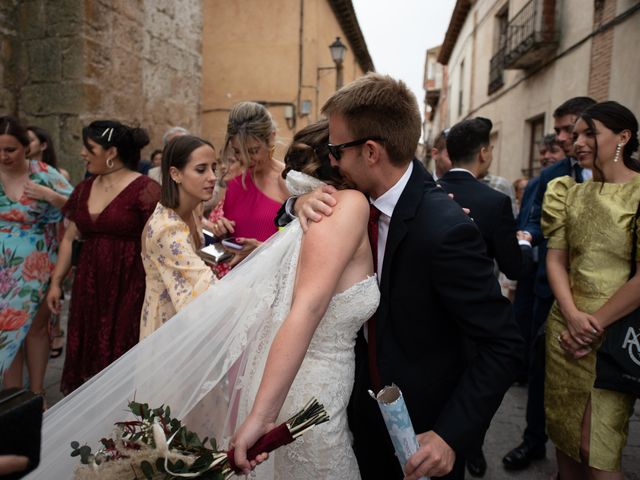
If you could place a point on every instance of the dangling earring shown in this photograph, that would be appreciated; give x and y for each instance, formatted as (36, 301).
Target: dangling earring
(272, 150)
(110, 163)
(618, 152)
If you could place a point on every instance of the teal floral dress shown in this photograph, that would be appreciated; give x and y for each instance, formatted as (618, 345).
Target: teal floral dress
(28, 250)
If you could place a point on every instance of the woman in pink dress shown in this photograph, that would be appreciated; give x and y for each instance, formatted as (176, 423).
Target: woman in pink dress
(253, 198)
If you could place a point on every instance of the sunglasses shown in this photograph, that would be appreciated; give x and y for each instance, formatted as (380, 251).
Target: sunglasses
(335, 150)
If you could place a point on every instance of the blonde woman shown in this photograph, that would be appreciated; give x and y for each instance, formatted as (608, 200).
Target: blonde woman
(252, 199)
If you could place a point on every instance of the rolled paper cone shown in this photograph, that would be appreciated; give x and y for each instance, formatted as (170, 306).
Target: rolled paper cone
(396, 418)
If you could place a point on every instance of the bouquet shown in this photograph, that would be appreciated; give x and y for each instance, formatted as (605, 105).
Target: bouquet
(155, 446)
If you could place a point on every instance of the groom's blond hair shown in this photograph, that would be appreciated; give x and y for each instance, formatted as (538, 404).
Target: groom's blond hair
(377, 105)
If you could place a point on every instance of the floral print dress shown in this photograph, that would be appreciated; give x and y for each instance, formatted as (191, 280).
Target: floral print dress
(28, 251)
(175, 274)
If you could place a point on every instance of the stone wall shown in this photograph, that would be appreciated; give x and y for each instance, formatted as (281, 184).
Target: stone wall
(138, 61)
(7, 35)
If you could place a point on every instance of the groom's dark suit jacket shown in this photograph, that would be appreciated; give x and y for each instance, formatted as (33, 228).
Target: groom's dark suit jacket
(437, 288)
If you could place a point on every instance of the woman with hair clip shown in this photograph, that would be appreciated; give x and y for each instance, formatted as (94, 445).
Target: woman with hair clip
(108, 212)
(252, 199)
(589, 227)
(175, 274)
(31, 195)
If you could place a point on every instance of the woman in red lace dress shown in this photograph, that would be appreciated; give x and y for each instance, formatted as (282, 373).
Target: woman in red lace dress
(107, 212)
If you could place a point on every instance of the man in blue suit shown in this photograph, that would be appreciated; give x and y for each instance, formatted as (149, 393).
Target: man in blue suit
(535, 438)
(551, 152)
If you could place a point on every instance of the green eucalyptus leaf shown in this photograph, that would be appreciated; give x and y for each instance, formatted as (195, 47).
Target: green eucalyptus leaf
(147, 469)
(160, 465)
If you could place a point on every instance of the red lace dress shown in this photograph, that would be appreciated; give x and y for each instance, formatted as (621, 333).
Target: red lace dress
(109, 285)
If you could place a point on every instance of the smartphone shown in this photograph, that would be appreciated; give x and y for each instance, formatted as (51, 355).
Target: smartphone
(232, 243)
(209, 238)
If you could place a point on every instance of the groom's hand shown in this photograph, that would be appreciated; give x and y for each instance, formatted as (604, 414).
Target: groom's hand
(434, 458)
(314, 205)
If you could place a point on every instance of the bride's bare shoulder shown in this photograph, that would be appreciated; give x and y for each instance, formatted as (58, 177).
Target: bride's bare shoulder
(351, 202)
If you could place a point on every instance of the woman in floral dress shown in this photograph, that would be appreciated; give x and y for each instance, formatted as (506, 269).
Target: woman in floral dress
(27, 240)
(175, 274)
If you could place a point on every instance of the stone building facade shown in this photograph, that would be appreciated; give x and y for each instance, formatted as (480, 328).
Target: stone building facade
(515, 61)
(68, 62)
(276, 53)
(160, 63)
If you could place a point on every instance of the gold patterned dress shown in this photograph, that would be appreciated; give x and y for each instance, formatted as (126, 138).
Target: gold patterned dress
(175, 274)
(593, 221)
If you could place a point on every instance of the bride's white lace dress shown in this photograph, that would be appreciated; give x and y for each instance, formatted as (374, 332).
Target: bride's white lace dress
(211, 355)
(327, 374)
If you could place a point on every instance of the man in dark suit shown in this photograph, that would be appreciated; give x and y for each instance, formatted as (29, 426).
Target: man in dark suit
(471, 154)
(535, 438)
(437, 289)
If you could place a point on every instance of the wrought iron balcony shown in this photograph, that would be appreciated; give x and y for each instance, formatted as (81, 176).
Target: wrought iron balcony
(531, 35)
(496, 71)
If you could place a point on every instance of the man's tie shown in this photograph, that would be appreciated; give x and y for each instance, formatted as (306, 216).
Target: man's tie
(374, 374)
(577, 172)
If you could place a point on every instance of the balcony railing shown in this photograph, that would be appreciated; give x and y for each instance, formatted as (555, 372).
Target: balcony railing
(496, 71)
(531, 35)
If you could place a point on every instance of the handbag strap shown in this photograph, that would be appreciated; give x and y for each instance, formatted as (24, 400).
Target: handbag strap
(634, 242)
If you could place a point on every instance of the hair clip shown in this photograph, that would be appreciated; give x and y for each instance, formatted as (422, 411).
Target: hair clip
(110, 130)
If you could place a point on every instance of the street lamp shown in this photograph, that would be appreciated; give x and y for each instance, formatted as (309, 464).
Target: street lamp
(338, 49)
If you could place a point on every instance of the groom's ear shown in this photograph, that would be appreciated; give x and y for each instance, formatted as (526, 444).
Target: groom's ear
(372, 151)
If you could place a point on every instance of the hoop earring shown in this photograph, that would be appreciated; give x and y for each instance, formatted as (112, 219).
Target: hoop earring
(618, 152)
(110, 163)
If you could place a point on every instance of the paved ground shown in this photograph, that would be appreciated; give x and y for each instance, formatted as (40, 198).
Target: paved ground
(505, 433)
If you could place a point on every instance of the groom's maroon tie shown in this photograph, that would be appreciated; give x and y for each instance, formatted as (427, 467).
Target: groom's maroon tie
(374, 215)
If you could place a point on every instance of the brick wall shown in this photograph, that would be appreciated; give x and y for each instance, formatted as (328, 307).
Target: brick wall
(601, 51)
(138, 61)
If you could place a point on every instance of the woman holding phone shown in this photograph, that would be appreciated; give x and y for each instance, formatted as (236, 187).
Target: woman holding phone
(175, 274)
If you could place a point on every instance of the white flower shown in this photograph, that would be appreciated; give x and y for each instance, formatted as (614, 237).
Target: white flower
(160, 439)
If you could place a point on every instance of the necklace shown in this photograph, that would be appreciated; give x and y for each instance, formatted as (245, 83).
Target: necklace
(112, 171)
(107, 188)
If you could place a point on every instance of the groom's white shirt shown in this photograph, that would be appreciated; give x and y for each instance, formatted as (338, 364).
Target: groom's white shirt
(386, 204)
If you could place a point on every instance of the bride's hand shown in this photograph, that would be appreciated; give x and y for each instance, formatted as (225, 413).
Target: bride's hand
(247, 435)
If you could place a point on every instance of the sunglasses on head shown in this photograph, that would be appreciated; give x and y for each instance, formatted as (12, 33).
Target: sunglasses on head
(335, 150)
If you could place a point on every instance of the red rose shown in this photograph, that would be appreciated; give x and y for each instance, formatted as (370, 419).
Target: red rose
(37, 267)
(12, 319)
(14, 216)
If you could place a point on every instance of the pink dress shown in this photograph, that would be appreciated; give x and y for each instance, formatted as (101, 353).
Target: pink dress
(251, 209)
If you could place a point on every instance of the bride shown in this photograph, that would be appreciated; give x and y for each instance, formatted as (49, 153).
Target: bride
(253, 349)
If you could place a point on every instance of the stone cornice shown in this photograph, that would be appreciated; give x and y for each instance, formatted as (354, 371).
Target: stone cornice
(346, 16)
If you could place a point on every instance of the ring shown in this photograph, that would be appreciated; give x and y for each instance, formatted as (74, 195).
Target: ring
(593, 330)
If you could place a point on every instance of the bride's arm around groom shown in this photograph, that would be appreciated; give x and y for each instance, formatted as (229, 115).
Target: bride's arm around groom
(334, 255)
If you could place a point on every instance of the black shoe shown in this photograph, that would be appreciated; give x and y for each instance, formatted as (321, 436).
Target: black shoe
(477, 464)
(521, 456)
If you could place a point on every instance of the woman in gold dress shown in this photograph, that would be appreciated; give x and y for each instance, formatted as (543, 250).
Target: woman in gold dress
(589, 229)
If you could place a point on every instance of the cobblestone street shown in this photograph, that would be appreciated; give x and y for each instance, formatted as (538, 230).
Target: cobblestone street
(504, 434)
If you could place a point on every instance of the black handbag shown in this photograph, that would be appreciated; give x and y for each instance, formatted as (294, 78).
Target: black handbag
(20, 424)
(618, 359)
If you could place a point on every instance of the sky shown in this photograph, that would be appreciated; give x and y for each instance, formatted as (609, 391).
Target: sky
(399, 32)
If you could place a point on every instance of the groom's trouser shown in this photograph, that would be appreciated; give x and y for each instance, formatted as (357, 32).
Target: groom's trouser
(372, 444)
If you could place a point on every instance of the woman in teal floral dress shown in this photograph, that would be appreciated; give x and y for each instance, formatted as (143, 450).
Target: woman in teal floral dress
(27, 237)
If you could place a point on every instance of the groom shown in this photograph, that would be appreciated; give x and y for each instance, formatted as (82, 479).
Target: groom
(438, 292)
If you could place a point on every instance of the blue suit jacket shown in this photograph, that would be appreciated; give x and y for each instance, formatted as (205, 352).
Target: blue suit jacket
(560, 169)
(526, 203)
